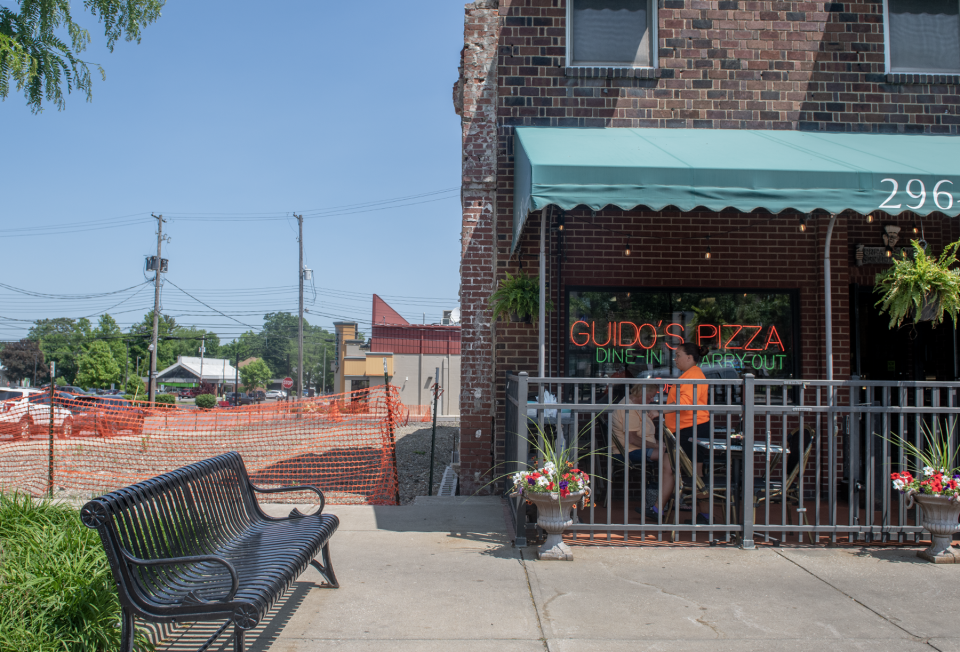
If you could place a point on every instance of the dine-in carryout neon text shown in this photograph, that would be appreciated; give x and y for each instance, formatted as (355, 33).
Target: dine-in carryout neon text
(731, 345)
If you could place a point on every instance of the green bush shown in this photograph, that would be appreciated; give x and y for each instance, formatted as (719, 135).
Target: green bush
(166, 398)
(206, 401)
(56, 589)
(136, 387)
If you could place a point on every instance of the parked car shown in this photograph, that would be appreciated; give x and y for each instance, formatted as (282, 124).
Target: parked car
(274, 394)
(188, 392)
(238, 398)
(106, 416)
(257, 395)
(27, 411)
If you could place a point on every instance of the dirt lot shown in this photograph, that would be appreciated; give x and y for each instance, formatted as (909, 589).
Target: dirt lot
(413, 457)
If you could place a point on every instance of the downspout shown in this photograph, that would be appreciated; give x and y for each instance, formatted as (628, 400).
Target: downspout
(828, 308)
(543, 293)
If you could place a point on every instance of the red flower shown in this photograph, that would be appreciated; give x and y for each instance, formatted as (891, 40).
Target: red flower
(906, 477)
(952, 484)
(550, 487)
(895, 476)
(564, 493)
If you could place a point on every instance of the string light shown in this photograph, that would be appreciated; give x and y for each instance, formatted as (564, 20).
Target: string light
(915, 228)
(707, 254)
(803, 224)
(889, 252)
(870, 218)
(626, 250)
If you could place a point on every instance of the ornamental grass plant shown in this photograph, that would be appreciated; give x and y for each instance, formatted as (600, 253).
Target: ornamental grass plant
(915, 282)
(56, 589)
(935, 470)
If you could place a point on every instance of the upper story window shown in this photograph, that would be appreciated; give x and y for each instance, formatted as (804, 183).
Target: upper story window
(611, 33)
(923, 36)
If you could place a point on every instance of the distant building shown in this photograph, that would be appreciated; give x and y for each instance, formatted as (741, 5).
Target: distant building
(414, 353)
(186, 372)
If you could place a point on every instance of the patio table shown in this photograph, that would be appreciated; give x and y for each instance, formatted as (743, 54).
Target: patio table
(736, 459)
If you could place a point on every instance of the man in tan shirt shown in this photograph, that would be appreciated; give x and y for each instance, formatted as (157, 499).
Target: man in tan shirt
(641, 438)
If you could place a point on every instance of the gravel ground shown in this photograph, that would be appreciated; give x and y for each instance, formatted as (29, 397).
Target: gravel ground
(413, 457)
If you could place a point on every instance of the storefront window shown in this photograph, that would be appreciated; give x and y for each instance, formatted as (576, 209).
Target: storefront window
(634, 333)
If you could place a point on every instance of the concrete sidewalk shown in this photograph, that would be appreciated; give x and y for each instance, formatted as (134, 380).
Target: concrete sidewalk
(440, 574)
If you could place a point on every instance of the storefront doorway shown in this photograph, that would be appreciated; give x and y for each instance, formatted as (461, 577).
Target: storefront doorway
(913, 353)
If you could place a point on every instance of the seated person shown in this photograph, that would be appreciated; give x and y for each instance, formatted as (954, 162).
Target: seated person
(642, 440)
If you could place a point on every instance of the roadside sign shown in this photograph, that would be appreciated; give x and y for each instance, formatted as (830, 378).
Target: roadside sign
(287, 382)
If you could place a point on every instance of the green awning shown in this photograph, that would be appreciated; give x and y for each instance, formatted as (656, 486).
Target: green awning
(740, 169)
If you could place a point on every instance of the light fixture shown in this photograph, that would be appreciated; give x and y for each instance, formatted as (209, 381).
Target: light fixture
(626, 250)
(803, 224)
(707, 254)
(916, 229)
(889, 252)
(870, 218)
(560, 221)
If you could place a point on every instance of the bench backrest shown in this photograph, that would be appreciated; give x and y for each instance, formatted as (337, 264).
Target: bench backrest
(191, 511)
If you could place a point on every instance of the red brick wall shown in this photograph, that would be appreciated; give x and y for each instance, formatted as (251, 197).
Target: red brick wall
(728, 64)
(723, 64)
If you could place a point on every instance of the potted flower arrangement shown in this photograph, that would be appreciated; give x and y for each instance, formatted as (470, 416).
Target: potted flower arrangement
(936, 488)
(555, 488)
(518, 298)
(921, 287)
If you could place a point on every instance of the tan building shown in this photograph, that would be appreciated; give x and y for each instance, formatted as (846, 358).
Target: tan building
(416, 356)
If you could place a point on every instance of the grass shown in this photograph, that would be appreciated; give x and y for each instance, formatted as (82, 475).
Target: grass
(56, 588)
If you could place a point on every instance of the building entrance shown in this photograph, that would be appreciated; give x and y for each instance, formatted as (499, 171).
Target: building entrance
(915, 353)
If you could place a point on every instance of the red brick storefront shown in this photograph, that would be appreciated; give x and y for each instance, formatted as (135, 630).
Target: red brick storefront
(723, 64)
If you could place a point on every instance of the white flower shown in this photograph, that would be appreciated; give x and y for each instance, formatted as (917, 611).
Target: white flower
(898, 484)
(928, 471)
(549, 468)
(542, 481)
(518, 478)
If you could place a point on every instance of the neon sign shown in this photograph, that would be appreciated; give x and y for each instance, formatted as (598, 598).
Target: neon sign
(723, 337)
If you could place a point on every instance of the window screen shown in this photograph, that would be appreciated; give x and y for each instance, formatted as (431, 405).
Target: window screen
(924, 36)
(611, 33)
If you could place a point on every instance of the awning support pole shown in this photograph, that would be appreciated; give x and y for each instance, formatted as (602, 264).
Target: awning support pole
(541, 368)
(827, 294)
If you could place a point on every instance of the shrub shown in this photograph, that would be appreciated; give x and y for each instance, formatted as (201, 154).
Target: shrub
(136, 387)
(206, 401)
(166, 399)
(56, 589)
(207, 388)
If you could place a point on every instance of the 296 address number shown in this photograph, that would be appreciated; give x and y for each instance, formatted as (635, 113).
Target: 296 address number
(911, 190)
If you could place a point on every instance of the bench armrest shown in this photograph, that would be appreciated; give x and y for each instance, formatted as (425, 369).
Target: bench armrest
(295, 513)
(171, 561)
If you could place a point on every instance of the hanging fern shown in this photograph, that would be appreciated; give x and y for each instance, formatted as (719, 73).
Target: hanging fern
(915, 282)
(518, 295)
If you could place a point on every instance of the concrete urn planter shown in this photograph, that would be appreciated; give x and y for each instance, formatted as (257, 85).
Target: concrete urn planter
(938, 516)
(554, 516)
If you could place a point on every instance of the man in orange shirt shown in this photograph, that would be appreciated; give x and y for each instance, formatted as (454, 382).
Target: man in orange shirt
(681, 422)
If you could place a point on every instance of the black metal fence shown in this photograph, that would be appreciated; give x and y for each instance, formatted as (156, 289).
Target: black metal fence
(773, 461)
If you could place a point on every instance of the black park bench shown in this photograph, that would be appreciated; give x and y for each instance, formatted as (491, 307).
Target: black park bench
(193, 545)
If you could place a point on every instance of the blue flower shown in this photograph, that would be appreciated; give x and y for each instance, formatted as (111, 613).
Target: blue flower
(531, 481)
(563, 484)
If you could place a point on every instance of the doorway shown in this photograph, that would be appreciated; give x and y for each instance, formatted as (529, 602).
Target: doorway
(917, 353)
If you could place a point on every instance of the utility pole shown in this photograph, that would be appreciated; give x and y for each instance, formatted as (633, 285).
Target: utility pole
(152, 387)
(300, 322)
(323, 369)
(203, 349)
(126, 369)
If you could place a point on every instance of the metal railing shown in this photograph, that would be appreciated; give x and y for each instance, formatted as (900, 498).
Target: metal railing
(820, 470)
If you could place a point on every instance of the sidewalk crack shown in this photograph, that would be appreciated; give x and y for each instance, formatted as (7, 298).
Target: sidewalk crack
(919, 639)
(533, 601)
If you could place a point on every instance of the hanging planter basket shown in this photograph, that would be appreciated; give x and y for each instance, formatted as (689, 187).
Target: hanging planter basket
(920, 288)
(931, 308)
(518, 299)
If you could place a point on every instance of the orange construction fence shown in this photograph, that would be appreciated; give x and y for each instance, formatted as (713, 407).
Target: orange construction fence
(417, 413)
(88, 445)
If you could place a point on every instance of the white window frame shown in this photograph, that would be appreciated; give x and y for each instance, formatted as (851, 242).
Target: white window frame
(654, 38)
(886, 48)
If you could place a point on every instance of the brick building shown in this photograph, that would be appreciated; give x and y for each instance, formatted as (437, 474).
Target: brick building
(825, 72)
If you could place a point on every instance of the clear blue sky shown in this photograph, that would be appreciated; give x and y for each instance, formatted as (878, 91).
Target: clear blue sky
(232, 110)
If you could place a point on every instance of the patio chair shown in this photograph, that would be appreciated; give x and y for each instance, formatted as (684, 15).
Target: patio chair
(689, 479)
(787, 490)
(620, 471)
